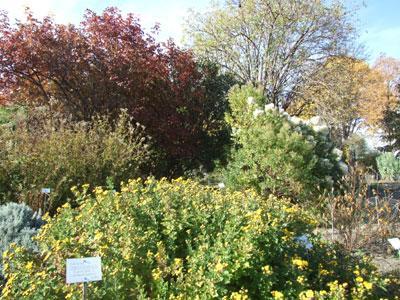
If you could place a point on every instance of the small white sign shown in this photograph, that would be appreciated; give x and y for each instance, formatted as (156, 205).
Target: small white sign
(395, 242)
(83, 269)
(46, 190)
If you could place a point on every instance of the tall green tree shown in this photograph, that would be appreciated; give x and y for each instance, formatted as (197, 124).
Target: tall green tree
(391, 127)
(274, 44)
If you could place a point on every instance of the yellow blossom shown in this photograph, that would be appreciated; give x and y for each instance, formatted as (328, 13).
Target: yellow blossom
(301, 279)
(300, 263)
(220, 266)
(267, 270)
(156, 274)
(29, 266)
(98, 235)
(359, 279)
(277, 295)
(309, 294)
(241, 295)
(323, 272)
(367, 285)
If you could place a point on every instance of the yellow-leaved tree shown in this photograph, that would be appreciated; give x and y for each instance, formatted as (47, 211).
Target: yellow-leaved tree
(345, 92)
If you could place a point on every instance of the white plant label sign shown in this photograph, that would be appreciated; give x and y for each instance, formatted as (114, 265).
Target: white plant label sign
(46, 190)
(83, 269)
(303, 239)
(395, 242)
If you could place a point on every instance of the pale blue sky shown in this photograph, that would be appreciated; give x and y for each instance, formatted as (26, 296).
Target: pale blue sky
(379, 24)
(379, 21)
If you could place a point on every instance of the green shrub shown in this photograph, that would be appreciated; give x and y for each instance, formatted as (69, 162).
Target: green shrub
(388, 166)
(276, 153)
(58, 154)
(181, 240)
(18, 224)
(8, 113)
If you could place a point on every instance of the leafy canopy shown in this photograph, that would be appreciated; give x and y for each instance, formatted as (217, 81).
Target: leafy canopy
(276, 44)
(105, 64)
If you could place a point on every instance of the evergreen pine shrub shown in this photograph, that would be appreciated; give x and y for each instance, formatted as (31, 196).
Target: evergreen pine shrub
(275, 153)
(388, 166)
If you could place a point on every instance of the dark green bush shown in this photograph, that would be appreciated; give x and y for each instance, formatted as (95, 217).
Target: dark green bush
(58, 154)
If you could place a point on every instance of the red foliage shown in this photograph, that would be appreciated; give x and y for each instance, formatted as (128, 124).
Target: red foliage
(105, 64)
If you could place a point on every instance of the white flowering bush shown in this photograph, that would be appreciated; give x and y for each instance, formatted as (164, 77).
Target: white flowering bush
(278, 154)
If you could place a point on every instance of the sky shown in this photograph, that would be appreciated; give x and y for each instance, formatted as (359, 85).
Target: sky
(378, 20)
(379, 24)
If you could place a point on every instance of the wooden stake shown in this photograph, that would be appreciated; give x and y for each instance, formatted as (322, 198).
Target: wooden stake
(84, 291)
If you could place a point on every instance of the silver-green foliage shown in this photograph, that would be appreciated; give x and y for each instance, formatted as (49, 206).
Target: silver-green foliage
(18, 224)
(388, 166)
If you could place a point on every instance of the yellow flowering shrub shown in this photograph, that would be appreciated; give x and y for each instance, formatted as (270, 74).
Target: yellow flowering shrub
(183, 240)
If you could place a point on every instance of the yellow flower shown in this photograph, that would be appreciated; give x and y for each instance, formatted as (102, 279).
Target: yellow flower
(323, 272)
(301, 279)
(359, 279)
(309, 294)
(41, 274)
(241, 295)
(220, 266)
(29, 266)
(98, 235)
(26, 293)
(65, 205)
(300, 263)
(277, 295)
(177, 261)
(156, 274)
(267, 270)
(289, 209)
(367, 285)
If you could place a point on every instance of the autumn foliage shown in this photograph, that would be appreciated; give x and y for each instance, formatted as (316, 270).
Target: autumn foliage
(107, 63)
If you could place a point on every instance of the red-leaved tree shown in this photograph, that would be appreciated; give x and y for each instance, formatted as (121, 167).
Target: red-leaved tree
(105, 64)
